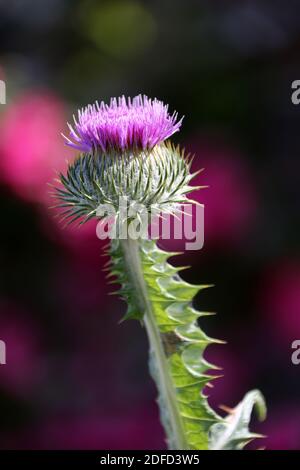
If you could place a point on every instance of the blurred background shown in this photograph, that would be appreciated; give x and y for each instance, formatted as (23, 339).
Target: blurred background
(74, 378)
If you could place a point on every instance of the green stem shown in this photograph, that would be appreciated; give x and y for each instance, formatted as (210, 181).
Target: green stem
(168, 403)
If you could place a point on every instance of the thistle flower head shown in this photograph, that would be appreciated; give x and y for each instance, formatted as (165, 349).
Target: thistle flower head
(132, 130)
(125, 124)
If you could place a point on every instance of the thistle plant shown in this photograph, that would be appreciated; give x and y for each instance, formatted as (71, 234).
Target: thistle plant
(124, 151)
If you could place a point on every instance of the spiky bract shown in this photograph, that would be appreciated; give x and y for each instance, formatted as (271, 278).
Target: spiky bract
(160, 180)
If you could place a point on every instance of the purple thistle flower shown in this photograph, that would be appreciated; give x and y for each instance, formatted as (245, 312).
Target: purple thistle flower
(137, 123)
